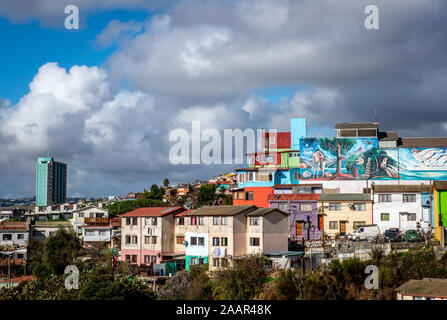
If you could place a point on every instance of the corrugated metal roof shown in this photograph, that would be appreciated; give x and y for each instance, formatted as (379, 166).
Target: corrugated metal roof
(227, 210)
(294, 197)
(440, 185)
(427, 287)
(264, 211)
(401, 188)
(13, 226)
(357, 125)
(345, 197)
(152, 212)
(437, 142)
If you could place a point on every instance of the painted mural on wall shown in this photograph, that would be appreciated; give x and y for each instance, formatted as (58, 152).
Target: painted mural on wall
(361, 159)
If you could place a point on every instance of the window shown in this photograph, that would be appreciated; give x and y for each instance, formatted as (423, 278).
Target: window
(254, 242)
(7, 236)
(305, 206)
(127, 221)
(409, 198)
(147, 259)
(282, 206)
(147, 221)
(154, 221)
(201, 221)
(92, 214)
(385, 217)
(102, 232)
(270, 176)
(127, 257)
(224, 242)
(154, 239)
(181, 221)
(21, 236)
(384, 197)
(334, 206)
(223, 262)
(296, 175)
(333, 224)
(134, 239)
(180, 239)
(254, 221)
(411, 217)
(193, 221)
(147, 240)
(216, 262)
(358, 207)
(201, 241)
(154, 259)
(193, 261)
(134, 221)
(294, 155)
(250, 195)
(224, 221)
(201, 260)
(81, 214)
(215, 241)
(127, 239)
(216, 221)
(134, 258)
(356, 224)
(272, 140)
(267, 159)
(193, 241)
(89, 233)
(250, 176)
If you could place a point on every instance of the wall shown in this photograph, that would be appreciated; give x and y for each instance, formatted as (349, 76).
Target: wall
(361, 159)
(275, 230)
(260, 196)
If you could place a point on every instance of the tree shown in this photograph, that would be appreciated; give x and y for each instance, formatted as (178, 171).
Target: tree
(57, 252)
(166, 182)
(338, 148)
(207, 194)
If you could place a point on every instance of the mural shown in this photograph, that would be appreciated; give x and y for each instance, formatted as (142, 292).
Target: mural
(360, 158)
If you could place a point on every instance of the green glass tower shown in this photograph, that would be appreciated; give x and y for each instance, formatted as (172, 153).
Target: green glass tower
(51, 182)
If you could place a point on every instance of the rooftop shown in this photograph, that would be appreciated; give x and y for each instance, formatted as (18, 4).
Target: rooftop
(440, 185)
(13, 226)
(436, 142)
(357, 125)
(345, 197)
(294, 197)
(428, 287)
(280, 186)
(263, 212)
(388, 136)
(401, 188)
(153, 212)
(227, 210)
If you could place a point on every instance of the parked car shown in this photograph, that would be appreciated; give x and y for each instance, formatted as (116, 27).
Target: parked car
(366, 232)
(393, 235)
(412, 235)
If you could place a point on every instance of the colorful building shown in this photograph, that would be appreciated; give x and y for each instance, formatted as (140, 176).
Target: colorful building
(147, 235)
(51, 182)
(439, 190)
(221, 235)
(343, 212)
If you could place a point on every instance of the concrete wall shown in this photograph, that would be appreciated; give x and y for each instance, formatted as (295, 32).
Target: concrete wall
(275, 232)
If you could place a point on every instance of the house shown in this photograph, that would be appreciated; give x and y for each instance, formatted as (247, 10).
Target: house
(183, 189)
(179, 231)
(147, 235)
(343, 212)
(42, 230)
(79, 215)
(221, 235)
(304, 221)
(401, 206)
(14, 234)
(439, 190)
(96, 231)
(10, 212)
(425, 289)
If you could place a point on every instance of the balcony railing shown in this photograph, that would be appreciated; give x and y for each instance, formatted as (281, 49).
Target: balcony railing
(97, 221)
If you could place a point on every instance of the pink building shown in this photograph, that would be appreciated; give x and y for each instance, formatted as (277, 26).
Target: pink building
(147, 235)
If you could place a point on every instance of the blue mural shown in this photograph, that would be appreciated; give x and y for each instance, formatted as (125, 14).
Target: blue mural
(361, 159)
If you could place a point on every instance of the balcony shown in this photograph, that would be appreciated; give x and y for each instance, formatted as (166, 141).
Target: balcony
(103, 221)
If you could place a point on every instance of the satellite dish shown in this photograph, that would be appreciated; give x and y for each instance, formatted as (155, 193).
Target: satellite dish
(185, 243)
(230, 256)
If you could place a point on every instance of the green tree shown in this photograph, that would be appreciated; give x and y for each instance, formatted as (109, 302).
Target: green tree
(166, 182)
(338, 148)
(207, 194)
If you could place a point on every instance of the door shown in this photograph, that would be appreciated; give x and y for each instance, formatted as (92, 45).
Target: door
(299, 228)
(320, 222)
(343, 227)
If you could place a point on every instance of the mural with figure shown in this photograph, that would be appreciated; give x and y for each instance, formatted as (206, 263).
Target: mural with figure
(360, 158)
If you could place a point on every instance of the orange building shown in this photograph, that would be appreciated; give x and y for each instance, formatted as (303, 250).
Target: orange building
(256, 196)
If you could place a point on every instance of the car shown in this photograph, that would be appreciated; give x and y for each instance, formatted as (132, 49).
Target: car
(412, 235)
(366, 232)
(393, 235)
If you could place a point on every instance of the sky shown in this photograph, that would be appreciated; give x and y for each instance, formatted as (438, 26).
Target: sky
(105, 97)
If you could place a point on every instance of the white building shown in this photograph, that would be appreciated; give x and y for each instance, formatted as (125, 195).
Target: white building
(79, 216)
(94, 234)
(14, 234)
(400, 206)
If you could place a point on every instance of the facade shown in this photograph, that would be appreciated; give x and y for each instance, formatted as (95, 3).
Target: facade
(439, 190)
(425, 289)
(51, 182)
(14, 234)
(342, 213)
(79, 216)
(147, 235)
(221, 235)
(42, 230)
(401, 206)
(97, 231)
(304, 221)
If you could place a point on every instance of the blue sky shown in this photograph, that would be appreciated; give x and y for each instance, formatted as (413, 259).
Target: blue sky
(28, 46)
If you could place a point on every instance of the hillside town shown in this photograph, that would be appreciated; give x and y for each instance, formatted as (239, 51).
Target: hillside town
(301, 203)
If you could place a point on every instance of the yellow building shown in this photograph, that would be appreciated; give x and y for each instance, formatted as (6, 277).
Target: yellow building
(342, 213)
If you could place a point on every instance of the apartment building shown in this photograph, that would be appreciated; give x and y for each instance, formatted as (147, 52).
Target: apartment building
(221, 235)
(343, 212)
(147, 235)
(79, 216)
(401, 206)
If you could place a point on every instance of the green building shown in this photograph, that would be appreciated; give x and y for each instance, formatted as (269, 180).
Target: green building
(51, 182)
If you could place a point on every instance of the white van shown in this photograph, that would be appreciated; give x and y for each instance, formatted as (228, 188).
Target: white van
(366, 232)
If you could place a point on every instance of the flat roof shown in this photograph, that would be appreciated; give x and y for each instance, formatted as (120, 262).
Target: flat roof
(294, 196)
(345, 197)
(401, 188)
(280, 186)
(226, 210)
(440, 185)
(434, 142)
(428, 287)
(357, 125)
